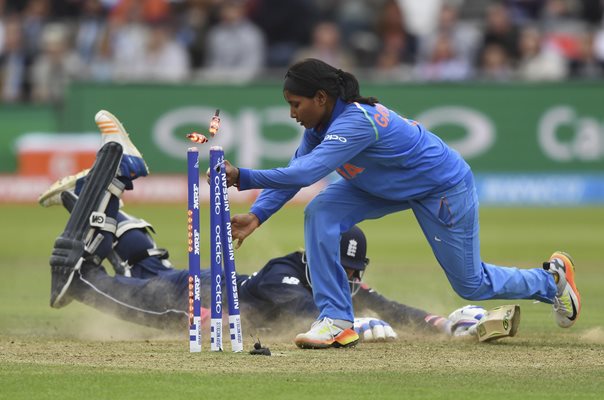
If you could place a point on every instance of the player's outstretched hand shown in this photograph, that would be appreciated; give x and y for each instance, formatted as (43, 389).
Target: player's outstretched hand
(232, 173)
(242, 226)
(374, 330)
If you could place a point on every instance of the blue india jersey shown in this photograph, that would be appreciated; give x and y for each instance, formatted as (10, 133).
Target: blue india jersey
(374, 148)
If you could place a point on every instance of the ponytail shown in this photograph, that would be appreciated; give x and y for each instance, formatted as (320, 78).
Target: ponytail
(351, 91)
(308, 76)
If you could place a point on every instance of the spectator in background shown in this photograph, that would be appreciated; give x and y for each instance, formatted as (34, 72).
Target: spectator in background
(592, 11)
(357, 21)
(287, 26)
(165, 59)
(420, 16)
(150, 11)
(101, 67)
(129, 37)
(90, 28)
(539, 62)
(56, 66)
(524, 11)
(598, 45)
(500, 30)
(61, 10)
(585, 65)
(2, 16)
(464, 36)
(494, 64)
(235, 46)
(326, 45)
(444, 64)
(398, 50)
(561, 29)
(35, 17)
(13, 61)
(193, 24)
(558, 15)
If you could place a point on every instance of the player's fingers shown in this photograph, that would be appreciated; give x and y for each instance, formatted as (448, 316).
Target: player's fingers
(238, 243)
(356, 325)
(377, 327)
(361, 326)
(389, 332)
(379, 333)
(368, 334)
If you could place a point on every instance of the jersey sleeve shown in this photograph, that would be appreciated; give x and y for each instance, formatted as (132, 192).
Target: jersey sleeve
(347, 137)
(271, 200)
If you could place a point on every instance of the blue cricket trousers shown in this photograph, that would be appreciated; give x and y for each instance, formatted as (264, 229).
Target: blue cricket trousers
(449, 220)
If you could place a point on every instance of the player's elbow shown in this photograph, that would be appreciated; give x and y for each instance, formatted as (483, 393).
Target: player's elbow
(307, 180)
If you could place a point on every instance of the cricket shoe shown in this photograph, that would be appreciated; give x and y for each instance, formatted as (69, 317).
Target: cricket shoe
(71, 183)
(567, 303)
(133, 165)
(324, 334)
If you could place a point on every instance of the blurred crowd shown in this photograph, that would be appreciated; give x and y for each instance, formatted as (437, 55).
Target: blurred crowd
(44, 44)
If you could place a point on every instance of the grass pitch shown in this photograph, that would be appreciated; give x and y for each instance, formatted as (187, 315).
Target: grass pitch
(77, 352)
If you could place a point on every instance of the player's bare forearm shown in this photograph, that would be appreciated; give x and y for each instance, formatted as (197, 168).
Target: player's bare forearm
(242, 226)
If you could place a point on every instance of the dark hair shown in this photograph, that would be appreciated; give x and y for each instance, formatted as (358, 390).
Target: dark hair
(306, 77)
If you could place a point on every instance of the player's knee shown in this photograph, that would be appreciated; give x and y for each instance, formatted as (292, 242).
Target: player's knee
(467, 295)
(315, 208)
(470, 290)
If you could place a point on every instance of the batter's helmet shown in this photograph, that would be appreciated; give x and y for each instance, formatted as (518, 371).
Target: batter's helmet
(353, 249)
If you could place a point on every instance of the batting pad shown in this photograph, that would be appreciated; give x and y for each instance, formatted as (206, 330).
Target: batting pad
(499, 322)
(71, 246)
(102, 173)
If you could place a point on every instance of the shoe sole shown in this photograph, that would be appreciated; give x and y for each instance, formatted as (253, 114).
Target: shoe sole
(570, 280)
(109, 124)
(60, 186)
(348, 338)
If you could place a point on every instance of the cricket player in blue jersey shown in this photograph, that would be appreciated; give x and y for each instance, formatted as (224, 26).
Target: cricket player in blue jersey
(146, 288)
(387, 163)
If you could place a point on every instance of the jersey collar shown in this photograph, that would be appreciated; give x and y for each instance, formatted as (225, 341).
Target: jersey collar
(337, 110)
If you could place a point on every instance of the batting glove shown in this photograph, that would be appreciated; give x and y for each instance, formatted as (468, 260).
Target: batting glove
(374, 330)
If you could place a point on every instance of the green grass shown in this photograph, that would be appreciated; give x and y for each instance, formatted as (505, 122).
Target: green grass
(25, 381)
(77, 352)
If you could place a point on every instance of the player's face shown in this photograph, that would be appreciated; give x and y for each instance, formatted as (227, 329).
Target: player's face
(310, 112)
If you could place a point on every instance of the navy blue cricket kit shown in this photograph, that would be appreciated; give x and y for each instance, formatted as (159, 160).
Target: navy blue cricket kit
(281, 290)
(387, 163)
(156, 295)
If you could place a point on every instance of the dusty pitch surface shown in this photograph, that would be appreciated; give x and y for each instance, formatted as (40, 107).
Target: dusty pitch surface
(76, 352)
(410, 353)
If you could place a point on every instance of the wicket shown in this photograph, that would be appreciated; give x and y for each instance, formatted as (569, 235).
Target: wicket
(221, 245)
(221, 252)
(194, 252)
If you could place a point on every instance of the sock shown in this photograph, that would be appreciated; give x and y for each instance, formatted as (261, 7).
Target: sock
(342, 324)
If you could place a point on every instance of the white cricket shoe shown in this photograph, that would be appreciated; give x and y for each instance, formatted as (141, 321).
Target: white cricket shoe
(72, 183)
(133, 165)
(567, 303)
(324, 334)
